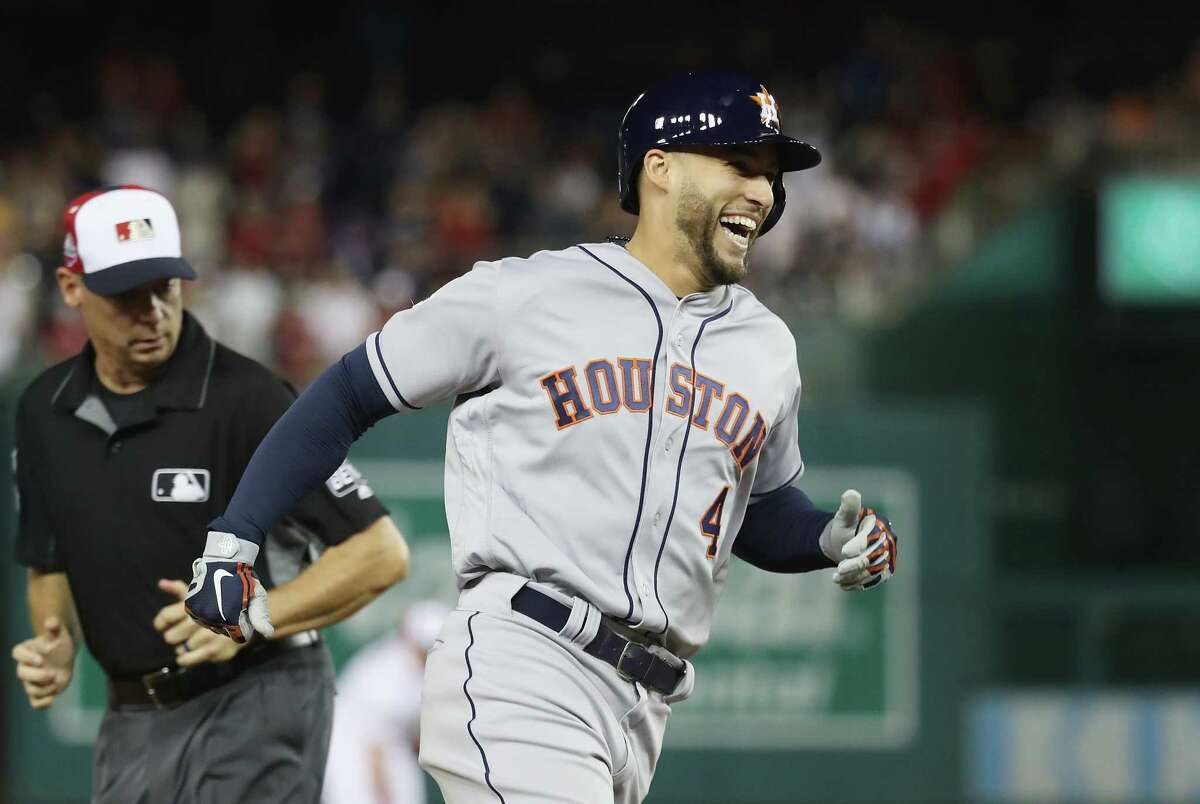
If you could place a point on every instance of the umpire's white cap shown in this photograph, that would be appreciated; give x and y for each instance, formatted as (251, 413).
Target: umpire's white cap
(121, 237)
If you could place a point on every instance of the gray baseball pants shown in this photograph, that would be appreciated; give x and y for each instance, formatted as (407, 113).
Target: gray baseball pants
(513, 712)
(262, 737)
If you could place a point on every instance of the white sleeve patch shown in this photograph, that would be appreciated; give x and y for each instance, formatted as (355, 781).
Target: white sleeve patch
(347, 479)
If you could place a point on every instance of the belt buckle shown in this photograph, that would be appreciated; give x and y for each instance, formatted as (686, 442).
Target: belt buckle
(634, 652)
(150, 680)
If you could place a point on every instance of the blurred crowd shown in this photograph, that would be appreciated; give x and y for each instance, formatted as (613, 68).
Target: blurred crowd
(309, 228)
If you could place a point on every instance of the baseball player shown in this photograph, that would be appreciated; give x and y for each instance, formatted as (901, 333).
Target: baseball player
(376, 732)
(624, 421)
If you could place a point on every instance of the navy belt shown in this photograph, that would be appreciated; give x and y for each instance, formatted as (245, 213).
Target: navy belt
(633, 660)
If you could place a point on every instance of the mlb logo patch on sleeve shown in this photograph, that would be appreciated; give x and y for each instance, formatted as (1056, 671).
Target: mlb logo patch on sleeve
(139, 229)
(180, 485)
(347, 479)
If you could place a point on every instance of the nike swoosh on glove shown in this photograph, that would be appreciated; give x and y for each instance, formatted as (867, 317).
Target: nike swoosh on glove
(224, 595)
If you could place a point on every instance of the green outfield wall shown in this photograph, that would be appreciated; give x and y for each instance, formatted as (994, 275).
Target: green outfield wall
(804, 693)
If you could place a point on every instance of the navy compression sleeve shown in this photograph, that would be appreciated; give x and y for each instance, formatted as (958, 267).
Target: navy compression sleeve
(305, 446)
(782, 533)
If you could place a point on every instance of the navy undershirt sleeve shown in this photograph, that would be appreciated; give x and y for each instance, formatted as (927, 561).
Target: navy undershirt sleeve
(782, 533)
(305, 446)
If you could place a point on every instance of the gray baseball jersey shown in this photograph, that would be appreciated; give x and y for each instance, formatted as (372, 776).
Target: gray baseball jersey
(607, 436)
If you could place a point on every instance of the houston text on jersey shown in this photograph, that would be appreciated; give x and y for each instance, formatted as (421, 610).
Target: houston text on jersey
(607, 394)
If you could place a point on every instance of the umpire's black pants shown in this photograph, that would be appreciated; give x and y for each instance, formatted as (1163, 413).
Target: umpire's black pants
(262, 737)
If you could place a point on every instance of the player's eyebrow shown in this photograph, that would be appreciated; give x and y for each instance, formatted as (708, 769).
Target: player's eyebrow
(754, 157)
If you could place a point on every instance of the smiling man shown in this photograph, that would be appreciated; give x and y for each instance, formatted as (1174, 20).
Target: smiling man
(624, 424)
(123, 454)
(719, 197)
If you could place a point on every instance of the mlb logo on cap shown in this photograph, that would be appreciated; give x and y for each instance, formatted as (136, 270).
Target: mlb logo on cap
(121, 237)
(135, 230)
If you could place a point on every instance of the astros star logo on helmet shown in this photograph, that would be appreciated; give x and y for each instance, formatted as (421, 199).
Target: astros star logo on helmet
(770, 109)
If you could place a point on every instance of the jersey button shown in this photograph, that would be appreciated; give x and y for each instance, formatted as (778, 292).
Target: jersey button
(115, 447)
(670, 443)
(657, 517)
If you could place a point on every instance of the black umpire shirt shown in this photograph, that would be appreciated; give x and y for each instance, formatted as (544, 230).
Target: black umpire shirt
(116, 491)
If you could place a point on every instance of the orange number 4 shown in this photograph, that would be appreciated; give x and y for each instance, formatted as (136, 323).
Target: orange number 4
(710, 523)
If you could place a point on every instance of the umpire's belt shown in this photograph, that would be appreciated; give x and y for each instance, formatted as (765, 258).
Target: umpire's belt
(169, 687)
(632, 659)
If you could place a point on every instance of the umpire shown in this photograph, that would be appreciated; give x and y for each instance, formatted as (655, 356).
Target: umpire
(124, 453)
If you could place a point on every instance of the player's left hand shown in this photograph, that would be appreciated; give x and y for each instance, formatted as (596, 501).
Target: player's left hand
(193, 644)
(224, 596)
(869, 557)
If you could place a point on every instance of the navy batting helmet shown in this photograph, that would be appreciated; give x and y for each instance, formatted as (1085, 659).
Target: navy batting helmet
(706, 109)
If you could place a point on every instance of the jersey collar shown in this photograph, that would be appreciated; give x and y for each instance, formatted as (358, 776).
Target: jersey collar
(183, 385)
(701, 303)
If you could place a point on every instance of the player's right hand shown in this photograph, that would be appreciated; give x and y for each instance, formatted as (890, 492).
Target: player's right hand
(45, 663)
(224, 595)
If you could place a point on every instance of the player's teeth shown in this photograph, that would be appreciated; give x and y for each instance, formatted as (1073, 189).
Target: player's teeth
(740, 220)
(740, 240)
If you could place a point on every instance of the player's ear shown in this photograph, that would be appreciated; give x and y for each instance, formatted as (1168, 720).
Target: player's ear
(656, 168)
(70, 285)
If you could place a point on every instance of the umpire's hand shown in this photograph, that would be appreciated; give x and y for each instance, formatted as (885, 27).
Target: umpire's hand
(863, 543)
(224, 596)
(193, 644)
(45, 663)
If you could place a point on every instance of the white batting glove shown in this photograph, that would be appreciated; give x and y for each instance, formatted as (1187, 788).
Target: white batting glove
(862, 542)
(842, 527)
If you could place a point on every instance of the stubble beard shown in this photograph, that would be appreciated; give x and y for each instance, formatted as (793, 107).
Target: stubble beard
(698, 223)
